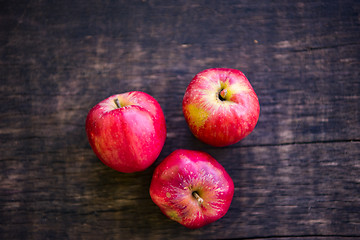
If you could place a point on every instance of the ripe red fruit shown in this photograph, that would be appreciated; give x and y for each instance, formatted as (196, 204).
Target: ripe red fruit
(192, 188)
(127, 131)
(220, 106)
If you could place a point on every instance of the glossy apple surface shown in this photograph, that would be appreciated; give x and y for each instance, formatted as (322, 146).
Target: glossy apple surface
(220, 106)
(192, 188)
(127, 131)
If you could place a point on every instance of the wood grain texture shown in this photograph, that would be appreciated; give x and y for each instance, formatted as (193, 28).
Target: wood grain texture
(297, 176)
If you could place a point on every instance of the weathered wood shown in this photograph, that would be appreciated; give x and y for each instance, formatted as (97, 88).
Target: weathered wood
(297, 175)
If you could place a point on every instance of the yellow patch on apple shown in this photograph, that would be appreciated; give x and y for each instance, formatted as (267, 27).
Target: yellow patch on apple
(173, 215)
(197, 115)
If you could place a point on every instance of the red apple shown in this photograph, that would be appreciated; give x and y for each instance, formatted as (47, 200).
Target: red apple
(220, 106)
(127, 131)
(192, 188)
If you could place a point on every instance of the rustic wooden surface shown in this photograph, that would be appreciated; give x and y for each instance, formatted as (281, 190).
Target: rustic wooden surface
(297, 176)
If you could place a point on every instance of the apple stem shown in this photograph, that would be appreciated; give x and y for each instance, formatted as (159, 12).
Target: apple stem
(117, 103)
(222, 94)
(197, 197)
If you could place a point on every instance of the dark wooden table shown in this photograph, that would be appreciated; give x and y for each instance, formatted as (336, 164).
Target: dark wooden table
(297, 176)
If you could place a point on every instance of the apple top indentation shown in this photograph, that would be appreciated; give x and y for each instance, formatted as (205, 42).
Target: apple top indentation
(222, 94)
(117, 103)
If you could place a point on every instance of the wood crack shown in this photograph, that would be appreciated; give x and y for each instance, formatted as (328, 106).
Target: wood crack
(301, 237)
(295, 143)
(307, 49)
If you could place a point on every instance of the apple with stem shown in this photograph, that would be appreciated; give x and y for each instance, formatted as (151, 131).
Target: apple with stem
(192, 188)
(220, 106)
(127, 131)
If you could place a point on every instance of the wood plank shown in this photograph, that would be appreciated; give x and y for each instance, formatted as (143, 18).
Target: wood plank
(277, 193)
(296, 175)
(305, 238)
(318, 85)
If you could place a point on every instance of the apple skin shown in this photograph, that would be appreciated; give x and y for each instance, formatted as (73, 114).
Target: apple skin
(220, 106)
(183, 175)
(129, 135)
